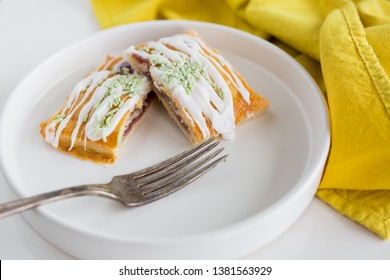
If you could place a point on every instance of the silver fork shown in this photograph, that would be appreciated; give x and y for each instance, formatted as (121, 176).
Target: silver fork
(137, 188)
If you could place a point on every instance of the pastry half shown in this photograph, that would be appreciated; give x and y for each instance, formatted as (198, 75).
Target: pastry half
(99, 112)
(200, 89)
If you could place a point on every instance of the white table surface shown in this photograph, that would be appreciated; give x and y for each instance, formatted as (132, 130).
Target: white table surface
(33, 30)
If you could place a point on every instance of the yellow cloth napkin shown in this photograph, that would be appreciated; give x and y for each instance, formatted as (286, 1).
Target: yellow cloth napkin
(345, 46)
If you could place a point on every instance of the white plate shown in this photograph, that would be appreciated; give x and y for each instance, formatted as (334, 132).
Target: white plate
(274, 168)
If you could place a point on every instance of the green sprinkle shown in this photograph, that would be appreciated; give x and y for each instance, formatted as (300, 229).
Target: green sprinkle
(221, 93)
(155, 61)
(113, 111)
(145, 49)
(116, 101)
(108, 120)
(60, 117)
(127, 83)
(96, 105)
(184, 72)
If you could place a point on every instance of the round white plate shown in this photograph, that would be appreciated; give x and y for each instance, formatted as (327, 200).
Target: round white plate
(275, 164)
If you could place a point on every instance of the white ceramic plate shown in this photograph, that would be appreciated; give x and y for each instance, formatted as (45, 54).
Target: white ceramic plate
(274, 167)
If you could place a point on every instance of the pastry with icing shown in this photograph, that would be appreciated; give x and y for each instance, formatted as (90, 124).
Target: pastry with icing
(200, 89)
(100, 112)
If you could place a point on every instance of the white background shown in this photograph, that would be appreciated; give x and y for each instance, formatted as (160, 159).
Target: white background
(33, 30)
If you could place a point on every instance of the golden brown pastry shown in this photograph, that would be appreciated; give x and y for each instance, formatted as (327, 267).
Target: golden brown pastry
(201, 91)
(100, 111)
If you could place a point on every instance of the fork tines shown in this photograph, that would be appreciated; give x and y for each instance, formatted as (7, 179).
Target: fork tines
(174, 173)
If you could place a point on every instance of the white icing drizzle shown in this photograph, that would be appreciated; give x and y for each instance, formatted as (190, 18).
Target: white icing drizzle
(88, 84)
(105, 102)
(219, 62)
(195, 74)
(92, 130)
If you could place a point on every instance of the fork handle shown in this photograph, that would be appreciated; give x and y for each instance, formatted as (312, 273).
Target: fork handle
(16, 206)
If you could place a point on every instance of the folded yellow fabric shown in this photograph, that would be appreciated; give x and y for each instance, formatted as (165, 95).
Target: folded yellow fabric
(344, 44)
